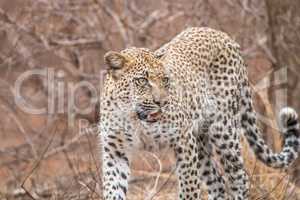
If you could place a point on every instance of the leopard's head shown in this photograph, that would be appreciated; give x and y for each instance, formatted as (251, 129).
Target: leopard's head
(140, 81)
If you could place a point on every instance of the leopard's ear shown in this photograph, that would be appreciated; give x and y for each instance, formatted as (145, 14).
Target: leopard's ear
(114, 60)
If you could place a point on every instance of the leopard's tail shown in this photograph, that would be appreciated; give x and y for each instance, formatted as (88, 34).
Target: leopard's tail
(291, 141)
(289, 129)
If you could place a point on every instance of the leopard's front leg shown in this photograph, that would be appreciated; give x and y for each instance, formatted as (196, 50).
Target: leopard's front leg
(115, 167)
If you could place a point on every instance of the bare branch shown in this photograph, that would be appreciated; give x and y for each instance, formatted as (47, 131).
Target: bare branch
(118, 22)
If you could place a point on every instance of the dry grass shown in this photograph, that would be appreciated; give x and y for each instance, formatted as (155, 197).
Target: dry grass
(71, 171)
(266, 183)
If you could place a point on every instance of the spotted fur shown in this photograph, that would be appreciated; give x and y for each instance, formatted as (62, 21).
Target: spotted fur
(192, 95)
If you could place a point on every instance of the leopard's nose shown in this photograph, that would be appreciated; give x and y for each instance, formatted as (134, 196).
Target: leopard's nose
(159, 96)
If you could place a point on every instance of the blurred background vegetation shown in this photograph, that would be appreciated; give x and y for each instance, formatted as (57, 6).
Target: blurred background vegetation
(45, 156)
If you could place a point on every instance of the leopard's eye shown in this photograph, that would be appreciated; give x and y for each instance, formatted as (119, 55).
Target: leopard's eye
(141, 81)
(166, 81)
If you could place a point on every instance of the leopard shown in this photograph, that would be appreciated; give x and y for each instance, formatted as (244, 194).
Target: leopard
(192, 95)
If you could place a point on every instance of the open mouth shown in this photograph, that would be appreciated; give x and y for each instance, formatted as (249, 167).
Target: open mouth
(149, 116)
(153, 117)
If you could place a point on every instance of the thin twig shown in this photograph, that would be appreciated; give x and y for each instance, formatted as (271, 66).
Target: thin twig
(36, 165)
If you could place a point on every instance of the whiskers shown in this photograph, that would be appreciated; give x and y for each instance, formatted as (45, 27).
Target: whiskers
(148, 107)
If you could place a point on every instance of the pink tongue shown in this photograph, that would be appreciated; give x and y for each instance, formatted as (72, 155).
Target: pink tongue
(154, 115)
